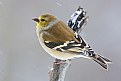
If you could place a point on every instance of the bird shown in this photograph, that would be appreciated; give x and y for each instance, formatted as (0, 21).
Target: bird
(62, 42)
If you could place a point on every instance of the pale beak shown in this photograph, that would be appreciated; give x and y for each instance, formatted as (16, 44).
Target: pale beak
(36, 19)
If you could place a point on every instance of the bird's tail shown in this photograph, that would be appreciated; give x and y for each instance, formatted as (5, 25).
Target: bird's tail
(101, 60)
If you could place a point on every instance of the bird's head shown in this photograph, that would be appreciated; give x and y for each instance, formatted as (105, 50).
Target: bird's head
(45, 21)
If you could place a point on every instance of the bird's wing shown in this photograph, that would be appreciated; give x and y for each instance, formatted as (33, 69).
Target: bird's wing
(71, 46)
(78, 19)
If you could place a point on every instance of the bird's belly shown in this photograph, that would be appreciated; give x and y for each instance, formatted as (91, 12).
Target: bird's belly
(58, 54)
(55, 53)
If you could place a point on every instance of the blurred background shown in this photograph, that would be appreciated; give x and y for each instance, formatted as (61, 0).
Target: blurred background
(23, 59)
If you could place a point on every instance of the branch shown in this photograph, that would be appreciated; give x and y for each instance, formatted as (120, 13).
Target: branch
(59, 69)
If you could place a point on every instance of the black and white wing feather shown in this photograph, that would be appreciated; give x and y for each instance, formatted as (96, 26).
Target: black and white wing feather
(78, 19)
(82, 49)
(72, 47)
(76, 22)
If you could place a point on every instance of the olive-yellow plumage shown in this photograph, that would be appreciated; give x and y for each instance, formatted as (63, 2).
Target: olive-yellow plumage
(50, 29)
(61, 42)
(58, 32)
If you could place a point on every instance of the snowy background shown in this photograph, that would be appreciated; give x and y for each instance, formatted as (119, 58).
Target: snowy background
(23, 59)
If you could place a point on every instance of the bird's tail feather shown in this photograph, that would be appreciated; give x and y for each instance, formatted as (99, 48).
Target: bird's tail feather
(101, 60)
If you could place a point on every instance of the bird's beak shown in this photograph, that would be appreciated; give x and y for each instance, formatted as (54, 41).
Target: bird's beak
(36, 19)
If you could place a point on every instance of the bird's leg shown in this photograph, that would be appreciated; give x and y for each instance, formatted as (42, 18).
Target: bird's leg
(58, 61)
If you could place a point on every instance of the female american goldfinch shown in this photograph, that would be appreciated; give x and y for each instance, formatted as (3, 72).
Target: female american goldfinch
(61, 42)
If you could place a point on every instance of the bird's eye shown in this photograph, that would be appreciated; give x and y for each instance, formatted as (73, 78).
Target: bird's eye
(42, 19)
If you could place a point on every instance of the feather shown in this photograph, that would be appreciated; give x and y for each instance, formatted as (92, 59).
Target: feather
(59, 32)
(73, 47)
(78, 19)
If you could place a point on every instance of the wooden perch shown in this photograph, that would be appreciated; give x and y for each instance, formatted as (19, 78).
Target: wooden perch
(59, 69)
